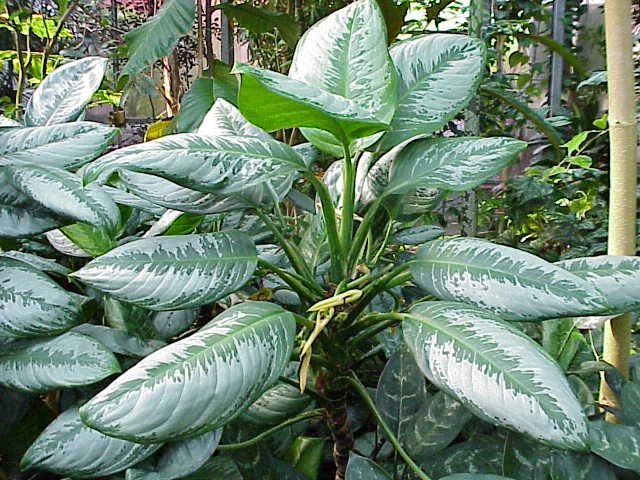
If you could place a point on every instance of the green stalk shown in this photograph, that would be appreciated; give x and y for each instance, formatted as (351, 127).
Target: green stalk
(302, 287)
(362, 231)
(381, 322)
(362, 391)
(258, 438)
(348, 205)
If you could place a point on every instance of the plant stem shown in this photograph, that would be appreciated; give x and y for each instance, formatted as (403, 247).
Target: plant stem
(258, 438)
(363, 230)
(362, 391)
(52, 41)
(299, 284)
(384, 321)
(348, 205)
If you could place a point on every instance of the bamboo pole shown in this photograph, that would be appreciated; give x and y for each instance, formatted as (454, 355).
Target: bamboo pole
(623, 172)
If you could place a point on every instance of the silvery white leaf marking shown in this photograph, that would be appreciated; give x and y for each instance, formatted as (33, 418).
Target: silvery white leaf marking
(221, 165)
(125, 198)
(362, 468)
(437, 76)
(63, 94)
(496, 371)
(66, 146)
(31, 304)
(63, 244)
(68, 448)
(6, 123)
(179, 459)
(62, 193)
(39, 263)
(277, 404)
(511, 283)
(225, 119)
(201, 382)
(455, 164)
(618, 444)
(592, 322)
(70, 360)
(174, 272)
(163, 223)
(119, 341)
(19, 215)
(170, 323)
(617, 277)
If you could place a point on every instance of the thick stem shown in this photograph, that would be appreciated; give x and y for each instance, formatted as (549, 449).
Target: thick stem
(623, 173)
(338, 422)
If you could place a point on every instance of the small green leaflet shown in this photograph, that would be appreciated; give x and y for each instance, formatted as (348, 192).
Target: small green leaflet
(200, 382)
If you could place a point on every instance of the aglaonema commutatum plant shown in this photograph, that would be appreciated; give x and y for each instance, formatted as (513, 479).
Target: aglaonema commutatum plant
(235, 340)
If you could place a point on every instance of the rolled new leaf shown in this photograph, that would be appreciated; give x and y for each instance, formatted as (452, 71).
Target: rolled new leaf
(68, 448)
(174, 272)
(513, 284)
(199, 383)
(496, 371)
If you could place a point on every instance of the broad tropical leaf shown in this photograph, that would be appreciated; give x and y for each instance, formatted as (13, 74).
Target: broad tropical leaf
(511, 283)
(62, 193)
(496, 371)
(70, 360)
(179, 459)
(217, 164)
(157, 37)
(63, 244)
(345, 54)
(201, 382)
(482, 455)
(130, 200)
(474, 476)
(618, 444)
(67, 146)
(456, 164)
(64, 93)
(416, 235)
(119, 341)
(174, 272)
(39, 263)
(68, 448)
(276, 405)
(361, 468)
(617, 277)
(225, 119)
(437, 77)
(580, 466)
(89, 239)
(31, 304)
(218, 466)
(273, 101)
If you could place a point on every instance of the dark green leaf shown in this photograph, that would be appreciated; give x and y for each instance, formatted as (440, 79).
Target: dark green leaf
(618, 444)
(361, 468)
(263, 20)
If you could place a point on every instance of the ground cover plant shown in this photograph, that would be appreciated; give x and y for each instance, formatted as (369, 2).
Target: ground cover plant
(227, 305)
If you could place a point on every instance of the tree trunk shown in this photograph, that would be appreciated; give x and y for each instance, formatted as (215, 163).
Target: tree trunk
(623, 171)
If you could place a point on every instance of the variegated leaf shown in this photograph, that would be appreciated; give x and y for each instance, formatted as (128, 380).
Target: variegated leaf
(276, 405)
(174, 272)
(31, 304)
(225, 119)
(617, 277)
(416, 235)
(455, 164)
(496, 371)
(70, 360)
(39, 263)
(345, 54)
(618, 444)
(119, 341)
(483, 455)
(221, 164)
(170, 323)
(361, 468)
(67, 146)
(511, 283)
(62, 193)
(580, 466)
(130, 200)
(218, 466)
(63, 94)
(70, 449)
(179, 459)
(437, 77)
(474, 476)
(201, 382)
(63, 244)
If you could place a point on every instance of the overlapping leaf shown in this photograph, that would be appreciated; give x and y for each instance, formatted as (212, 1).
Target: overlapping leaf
(64, 93)
(361, 468)
(39, 263)
(69, 360)
(31, 304)
(437, 77)
(68, 448)
(511, 283)
(496, 371)
(618, 444)
(66, 146)
(174, 272)
(201, 382)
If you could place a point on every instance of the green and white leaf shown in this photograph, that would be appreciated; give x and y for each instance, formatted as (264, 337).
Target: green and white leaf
(481, 455)
(457, 163)
(63, 244)
(216, 164)
(361, 468)
(618, 444)
(65, 92)
(474, 476)
(276, 405)
(119, 341)
(70, 360)
(130, 200)
(171, 323)
(179, 459)
(67, 146)
(68, 448)
(31, 304)
(39, 263)
(174, 272)
(510, 283)
(416, 235)
(201, 382)
(62, 193)
(496, 371)
(580, 466)
(273, 101)
(617, 277)
(218, 466)
(225, 119)
(157, 37)
(345, 54)
(438, 75)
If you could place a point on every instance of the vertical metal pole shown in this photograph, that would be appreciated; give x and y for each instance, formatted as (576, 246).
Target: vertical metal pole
(555, 85)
